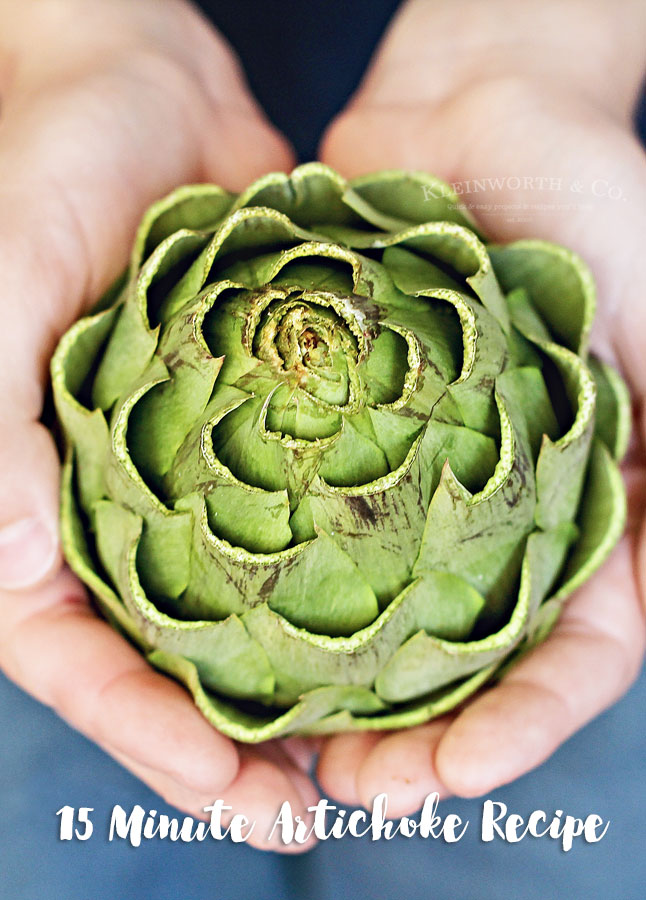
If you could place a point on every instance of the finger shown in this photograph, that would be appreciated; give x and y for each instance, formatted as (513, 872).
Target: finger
(275, 752)
(264, 783)
(258, 792)
(588, 662)
(54, 647)
(339, 763)
(640, 501)
(471, 42)
(302, 751)
(240, 147)
(634, 476)
(175, 794)
(29, 474)
(402, 766)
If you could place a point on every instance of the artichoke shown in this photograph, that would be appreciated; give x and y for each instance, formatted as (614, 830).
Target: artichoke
(332, 461)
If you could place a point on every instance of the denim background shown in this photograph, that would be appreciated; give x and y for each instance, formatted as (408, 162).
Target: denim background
(303, 60)
(44, 765)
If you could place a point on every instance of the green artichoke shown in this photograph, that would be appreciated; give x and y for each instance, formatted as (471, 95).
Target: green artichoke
(332, 461)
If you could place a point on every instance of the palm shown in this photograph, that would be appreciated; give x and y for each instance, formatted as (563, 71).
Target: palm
(495, 130)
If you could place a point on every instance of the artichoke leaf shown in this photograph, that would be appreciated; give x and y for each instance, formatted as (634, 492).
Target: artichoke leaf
(314, 583)
(425, 663)
(415, 275)
(303, 661)
(561, 464)
(226, 657)
(304, 264)
(612, 415)
(456, 247)
(240, 725)
(481, 536)
(601, 519)
(164, 549)
(164, 415)
(393, 200)
(405, 715)
(484, 347)
(196, 207)
(134, 338)
(558, 283)
(359, 519)
(435, 325)
(86, 430)
(312, 193)
(241, 513)
(79, 557)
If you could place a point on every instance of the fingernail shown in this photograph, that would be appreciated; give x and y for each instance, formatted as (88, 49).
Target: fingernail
(27, 553)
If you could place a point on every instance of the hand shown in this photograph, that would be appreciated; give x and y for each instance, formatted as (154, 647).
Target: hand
(450, 95)
(107, 106)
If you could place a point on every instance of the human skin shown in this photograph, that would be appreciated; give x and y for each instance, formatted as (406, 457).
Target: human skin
(105, 107)
(470, 90)
(100, 118)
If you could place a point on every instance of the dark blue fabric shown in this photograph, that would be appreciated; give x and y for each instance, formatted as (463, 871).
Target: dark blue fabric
(303, 61)
(640, 116)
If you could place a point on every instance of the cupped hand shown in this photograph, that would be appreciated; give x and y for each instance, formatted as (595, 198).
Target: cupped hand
(105, 107)
(513, 109)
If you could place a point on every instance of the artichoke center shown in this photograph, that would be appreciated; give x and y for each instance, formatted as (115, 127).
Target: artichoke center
(309, 347)
(316, 367)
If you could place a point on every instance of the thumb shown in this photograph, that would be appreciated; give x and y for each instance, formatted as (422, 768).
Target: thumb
(29, 547)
